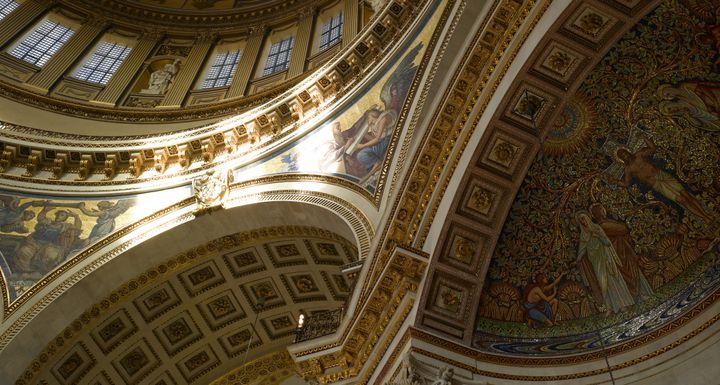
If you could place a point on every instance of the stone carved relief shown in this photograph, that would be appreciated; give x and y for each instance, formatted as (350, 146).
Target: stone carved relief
(414, 371)
(210, 189)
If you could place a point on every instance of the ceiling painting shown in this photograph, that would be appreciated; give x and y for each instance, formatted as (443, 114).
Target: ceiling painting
(355, 143)
(38, 234)
(615, 229)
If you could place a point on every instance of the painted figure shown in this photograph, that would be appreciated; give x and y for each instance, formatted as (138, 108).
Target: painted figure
(106, 213)
(619, 235)
(49, 244)
(13, 215)
(540, 303)
(637, 165)
(362, 147)
(605, 265)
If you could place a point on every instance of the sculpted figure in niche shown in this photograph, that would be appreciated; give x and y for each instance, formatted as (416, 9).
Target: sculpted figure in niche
(161, 80)
(639, 167)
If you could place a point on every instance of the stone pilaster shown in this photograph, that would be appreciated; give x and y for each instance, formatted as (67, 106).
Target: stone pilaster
(351, 13)
(127, 70)
(248, 61)
(184, 80)
(302, 42)
(68, 54)
(19, 19)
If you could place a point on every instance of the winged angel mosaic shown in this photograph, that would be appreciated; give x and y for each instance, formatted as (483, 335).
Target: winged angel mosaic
(617, 223)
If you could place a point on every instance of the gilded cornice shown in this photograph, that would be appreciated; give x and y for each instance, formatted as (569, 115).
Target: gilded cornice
(133, 14)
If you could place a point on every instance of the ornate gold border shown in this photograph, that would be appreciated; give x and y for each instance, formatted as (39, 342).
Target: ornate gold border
(329, 179)
(252, 370)
(584, 357)
(422, 336)
(400, 230)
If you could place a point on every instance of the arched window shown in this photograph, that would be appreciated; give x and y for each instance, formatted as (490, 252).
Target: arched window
(40, 45)
(279, 56)
(103, 63)
(7, 6)
(222, 70)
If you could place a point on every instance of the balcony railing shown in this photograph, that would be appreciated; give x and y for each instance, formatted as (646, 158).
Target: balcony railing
(319, 324)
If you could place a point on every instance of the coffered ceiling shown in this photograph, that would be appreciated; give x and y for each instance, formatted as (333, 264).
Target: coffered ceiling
(203, 313)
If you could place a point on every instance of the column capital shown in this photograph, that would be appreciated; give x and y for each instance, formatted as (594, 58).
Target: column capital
(152, 34)
(98, 21)
(206, 37)
(257, 30)
(306, 12)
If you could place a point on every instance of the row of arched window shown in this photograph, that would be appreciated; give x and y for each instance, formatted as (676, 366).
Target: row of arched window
(50, 34)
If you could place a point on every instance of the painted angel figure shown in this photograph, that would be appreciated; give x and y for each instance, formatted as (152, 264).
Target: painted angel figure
(696, 102)
(106, 214)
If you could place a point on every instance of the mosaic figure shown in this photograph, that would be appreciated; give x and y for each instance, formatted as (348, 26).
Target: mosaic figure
(540, 303)
(596, 251)
(49, 244)
(619, 235)
(639, 167)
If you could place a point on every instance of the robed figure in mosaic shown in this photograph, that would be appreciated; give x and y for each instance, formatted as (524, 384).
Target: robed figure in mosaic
(596, 248)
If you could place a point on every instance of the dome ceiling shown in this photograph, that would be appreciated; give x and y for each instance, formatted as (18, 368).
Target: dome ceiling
(615, 227)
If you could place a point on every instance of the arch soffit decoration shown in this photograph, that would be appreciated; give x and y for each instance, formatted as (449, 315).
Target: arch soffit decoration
(481, 69)
(314, 205)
